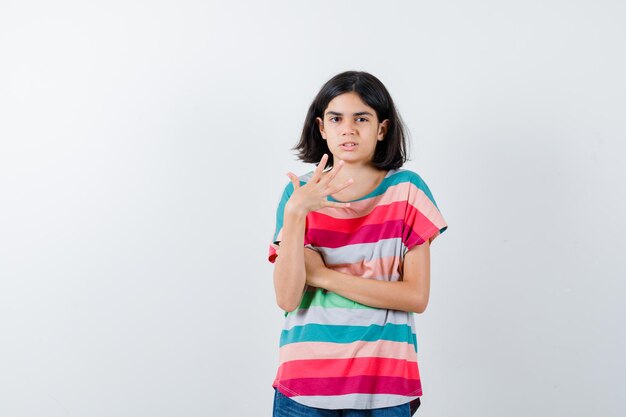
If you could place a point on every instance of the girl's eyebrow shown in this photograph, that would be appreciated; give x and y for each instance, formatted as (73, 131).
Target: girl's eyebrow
(361, 113)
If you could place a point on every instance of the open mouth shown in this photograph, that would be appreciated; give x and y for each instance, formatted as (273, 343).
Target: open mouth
(348, 146)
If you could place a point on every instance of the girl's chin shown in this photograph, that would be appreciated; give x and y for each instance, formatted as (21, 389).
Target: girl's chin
(350, 161)
(346, 155)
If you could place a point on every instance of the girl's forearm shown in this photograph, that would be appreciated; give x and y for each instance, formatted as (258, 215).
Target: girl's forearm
(289, 268)
(399, 295)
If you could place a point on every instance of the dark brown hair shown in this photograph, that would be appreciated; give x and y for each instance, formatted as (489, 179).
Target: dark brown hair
(390, 153)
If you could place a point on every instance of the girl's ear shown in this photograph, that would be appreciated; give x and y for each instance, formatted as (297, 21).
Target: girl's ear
(382, 129)
(320, 124)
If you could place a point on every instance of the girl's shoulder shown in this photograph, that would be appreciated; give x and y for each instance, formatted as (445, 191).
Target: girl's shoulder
(417, 184)
(404, 175)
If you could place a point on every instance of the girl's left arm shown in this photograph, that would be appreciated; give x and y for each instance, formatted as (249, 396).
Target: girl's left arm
(411, 294)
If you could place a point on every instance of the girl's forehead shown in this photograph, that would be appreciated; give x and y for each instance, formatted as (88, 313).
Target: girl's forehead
(348, 100)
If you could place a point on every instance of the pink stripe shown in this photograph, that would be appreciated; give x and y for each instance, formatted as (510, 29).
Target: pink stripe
(351, 385)
(380, 214)
(273, 253)
(393, 194)
(279, 238)
(420, 202)
(366, 234)
(331, 227)
(419, 228)
(325, 368)
(324, 350)
(376, 268)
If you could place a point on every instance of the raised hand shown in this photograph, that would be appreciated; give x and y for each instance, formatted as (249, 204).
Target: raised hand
(312, 195)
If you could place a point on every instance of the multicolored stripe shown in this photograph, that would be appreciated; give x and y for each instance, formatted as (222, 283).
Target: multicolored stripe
(334, 352)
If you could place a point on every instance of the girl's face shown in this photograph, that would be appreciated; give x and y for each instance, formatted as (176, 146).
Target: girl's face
(351, 129)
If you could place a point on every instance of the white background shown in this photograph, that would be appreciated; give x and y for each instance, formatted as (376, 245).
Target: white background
(144, 146)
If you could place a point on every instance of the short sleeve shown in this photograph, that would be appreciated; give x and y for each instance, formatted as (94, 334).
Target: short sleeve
(422, 221)
(273, 248)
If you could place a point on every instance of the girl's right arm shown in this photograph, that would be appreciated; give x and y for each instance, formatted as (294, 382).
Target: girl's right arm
(289, 272)
(289, 268)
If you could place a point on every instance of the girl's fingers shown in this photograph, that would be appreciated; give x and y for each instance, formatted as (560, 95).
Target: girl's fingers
(294, 180)
(333, 172)
(341, 187)
(317, 174)
(337, 204)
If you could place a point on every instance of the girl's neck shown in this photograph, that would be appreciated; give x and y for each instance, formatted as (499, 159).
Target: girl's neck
(365, 179)
(359, 172)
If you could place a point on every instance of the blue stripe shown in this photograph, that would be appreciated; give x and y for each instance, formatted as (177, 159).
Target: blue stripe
(395, 178)
(280, 211)
(348, 334)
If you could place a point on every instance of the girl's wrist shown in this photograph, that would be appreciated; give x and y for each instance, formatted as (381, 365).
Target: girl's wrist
(294, 211)
(316, 279)
(323, 276)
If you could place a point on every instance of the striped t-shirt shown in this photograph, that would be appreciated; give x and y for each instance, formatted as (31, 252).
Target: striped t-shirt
(334, 352)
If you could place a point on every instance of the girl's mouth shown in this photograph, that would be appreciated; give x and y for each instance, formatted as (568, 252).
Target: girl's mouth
(348, 146)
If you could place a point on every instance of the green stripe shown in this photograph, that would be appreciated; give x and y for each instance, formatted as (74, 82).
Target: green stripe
(348, 334)
(323, 298)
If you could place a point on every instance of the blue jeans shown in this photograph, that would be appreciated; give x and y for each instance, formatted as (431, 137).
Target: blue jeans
(286, 407)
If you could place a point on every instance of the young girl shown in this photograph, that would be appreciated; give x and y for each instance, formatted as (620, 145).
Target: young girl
(352, 260)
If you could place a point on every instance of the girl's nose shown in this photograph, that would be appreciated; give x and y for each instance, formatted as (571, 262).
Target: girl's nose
(348, 128)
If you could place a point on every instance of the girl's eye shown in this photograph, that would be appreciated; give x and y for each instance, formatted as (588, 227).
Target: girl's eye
(334, 119)
(361, 119)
